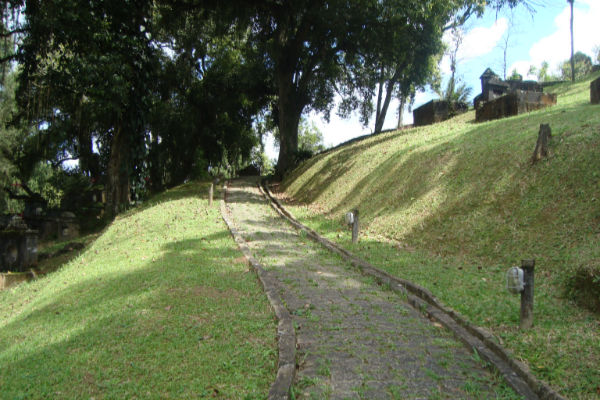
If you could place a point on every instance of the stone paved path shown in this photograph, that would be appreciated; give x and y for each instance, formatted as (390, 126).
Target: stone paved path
(355, 340)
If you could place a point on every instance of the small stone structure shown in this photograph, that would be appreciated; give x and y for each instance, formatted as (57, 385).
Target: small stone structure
(515, 103)
(437, 111)
(18, 245)
(499, 99)
(595, 91)
(54, 224)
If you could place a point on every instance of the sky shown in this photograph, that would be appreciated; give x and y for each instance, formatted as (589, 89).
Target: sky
(532, 38)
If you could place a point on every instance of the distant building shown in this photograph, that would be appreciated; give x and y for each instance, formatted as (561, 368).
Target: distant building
(499, 98)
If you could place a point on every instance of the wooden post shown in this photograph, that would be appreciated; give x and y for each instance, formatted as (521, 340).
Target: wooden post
(527, 295)
(355, 227)
(541, 147)
(210, 194)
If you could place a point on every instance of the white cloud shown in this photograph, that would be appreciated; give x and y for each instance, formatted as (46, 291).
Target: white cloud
(482, 40)
(556, 47)
(477, 42)
(522, 68)
(338, 130)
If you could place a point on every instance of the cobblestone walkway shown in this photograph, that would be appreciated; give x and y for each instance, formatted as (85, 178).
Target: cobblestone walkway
(355, 340)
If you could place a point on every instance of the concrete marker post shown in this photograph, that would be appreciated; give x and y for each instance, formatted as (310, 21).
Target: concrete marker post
(526, 320)
(210, 194)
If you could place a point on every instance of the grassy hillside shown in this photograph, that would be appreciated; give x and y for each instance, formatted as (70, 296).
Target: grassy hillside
(451, 206)
(161, 305)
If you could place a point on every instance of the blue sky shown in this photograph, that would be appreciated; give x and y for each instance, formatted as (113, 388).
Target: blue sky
(533, 38)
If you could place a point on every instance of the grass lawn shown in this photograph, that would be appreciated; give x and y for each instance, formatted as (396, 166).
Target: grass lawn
(451, 206)
(160, 305)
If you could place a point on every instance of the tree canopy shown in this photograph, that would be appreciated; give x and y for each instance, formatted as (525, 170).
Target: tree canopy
(145, 94)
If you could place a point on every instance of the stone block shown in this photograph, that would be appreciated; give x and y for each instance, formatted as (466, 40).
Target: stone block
(437, 111)
(8, 280)
(515, 103)
(595, 91)
(18, 249)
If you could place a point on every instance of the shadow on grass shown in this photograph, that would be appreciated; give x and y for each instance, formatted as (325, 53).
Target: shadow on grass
(489, 201)
(474, 200)
(186, 324)
(337, 163)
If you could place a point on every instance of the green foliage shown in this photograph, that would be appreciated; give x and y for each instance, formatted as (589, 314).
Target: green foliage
(87, 76)
(43, 180)
(596, 51)
(583, 66)
(459, 92)
(310, 138)
(395, 57)
(10, 137)
(133, 89)
(542, 73)
(262, 162)
(515, 76)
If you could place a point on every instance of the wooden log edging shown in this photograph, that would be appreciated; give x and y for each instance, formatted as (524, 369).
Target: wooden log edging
(286, 336)
(516, 373)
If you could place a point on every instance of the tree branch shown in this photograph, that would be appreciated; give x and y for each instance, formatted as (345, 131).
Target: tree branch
(57, 163)
(14, 196)
(13, 32)
(10, 57)
(31, 195)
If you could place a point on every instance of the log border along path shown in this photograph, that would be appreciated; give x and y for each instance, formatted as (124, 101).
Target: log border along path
(355, 339)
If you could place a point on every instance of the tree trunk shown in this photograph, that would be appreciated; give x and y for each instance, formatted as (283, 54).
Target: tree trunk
(117, 182)
(87, 162)
(541, 147)
(386, 103)
(401, 111)
(572, 47)
(379, 94)
(289, 113)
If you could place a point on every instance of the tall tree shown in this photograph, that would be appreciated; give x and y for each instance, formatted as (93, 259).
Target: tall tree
(307, 44)
(582, 64)
(455, 15)
(94, 60)
(213, 87)
(403, 46)
(506, 42)
(572, 46)
(457, 37)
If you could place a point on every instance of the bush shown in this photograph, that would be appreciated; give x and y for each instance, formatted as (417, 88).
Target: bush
(302, 155)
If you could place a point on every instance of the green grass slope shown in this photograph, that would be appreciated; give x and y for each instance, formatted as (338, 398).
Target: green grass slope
(161, 305)
(451, 206)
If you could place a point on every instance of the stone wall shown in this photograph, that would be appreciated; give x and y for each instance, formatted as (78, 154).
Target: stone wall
(55, 225)
(18, 250)
(515, 103)
(437, 111)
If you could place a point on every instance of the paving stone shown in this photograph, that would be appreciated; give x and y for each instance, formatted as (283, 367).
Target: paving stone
(354, 339)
